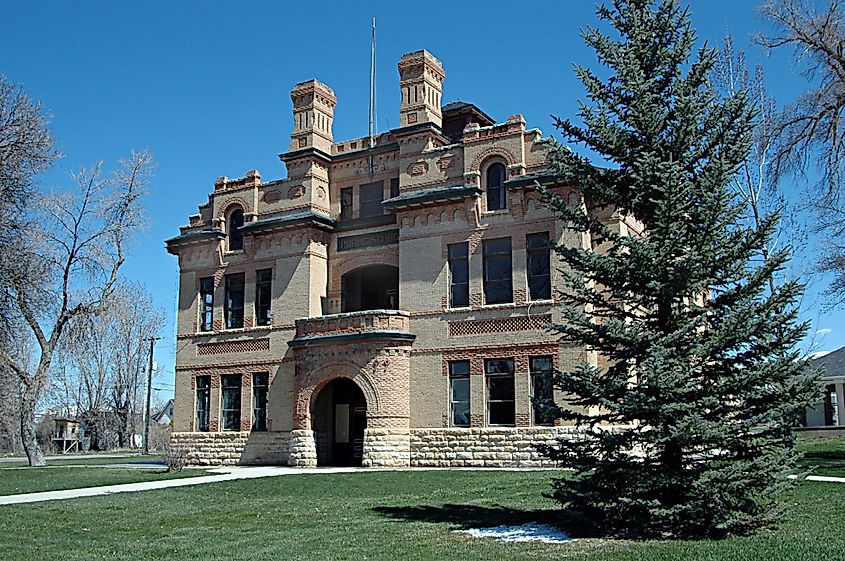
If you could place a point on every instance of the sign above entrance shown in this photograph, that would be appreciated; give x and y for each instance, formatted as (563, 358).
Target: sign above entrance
(374, 239)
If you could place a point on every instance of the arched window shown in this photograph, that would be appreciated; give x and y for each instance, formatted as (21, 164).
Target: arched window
(233, 230)
(496, 199)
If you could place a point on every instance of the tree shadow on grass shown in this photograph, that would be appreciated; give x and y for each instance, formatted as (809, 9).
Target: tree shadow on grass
(473, 516)
(825, 459)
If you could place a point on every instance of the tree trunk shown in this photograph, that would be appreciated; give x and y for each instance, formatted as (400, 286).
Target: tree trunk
(28, 430)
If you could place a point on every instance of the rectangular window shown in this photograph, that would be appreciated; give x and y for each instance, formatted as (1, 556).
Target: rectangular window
(263, 291)
(459, 392)
(542, 390)
(372, 194)
(234, 303)
(203, 401)
(394, 187)
(498, 271)
(539, 266)
(458, 275)
(259, 401)
(346, 203)
(230, 388)
(206, 304)
(500, 391)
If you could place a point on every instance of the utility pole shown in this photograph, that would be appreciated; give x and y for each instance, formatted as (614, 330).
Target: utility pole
(146, 449)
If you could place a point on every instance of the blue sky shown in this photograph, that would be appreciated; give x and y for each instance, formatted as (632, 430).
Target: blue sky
(205, 86)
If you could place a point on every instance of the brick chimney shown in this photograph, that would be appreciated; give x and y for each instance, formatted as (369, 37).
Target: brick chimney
(313, 114)
(421, 81)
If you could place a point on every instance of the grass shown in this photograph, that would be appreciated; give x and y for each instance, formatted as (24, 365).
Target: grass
(91, 458)
(825, 455)
(16, 480)
(374, 516)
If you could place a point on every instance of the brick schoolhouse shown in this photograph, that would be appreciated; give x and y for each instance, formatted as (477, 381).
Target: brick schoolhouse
(385, 304)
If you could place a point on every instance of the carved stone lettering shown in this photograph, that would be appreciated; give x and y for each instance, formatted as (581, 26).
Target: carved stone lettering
(375, 239)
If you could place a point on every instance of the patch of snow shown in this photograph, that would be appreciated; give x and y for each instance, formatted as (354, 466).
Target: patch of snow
(524, 533)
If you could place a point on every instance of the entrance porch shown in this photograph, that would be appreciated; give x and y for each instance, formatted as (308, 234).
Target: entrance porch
(351, 390)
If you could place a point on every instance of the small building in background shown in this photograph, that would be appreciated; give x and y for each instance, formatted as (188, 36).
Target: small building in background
(830, 411)
(164, 415)
(66, 435)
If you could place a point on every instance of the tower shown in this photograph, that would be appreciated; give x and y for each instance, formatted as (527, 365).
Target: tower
(421, 81)
(313, 114)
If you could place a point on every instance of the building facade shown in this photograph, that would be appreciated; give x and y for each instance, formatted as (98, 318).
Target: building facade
(385, 304)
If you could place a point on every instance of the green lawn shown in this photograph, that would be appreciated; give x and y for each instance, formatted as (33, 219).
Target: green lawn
(82, 459)
(54, 478)
(374, 516)
(825, 455)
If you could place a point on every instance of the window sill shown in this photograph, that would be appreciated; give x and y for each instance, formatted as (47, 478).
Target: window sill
(234, 330)
(234, 252)
(498, 211)
(502, 305)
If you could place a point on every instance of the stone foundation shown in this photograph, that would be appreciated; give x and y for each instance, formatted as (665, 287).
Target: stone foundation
(484, 447)
(383, 447)
(386, 448)
(303, 451)
(232, 448)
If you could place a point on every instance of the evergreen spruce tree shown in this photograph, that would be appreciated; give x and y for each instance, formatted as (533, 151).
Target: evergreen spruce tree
(699, 375)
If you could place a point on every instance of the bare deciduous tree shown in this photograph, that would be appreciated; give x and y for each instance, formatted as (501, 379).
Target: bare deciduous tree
(812, 129)
(104, 358)
(68, 267)
(26, 148)
(755, 182)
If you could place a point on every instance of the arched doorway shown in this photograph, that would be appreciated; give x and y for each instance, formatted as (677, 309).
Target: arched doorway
(339, 418)
(374, 287)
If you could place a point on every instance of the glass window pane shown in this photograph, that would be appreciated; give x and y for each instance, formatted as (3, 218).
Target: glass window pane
(500, 388)
(346, 202)
(263, 291)
(498, 271)
(371, 197)
(460, 389)
(495, 191)
(497, 245)
(541, 364)
(458, 250)
(498, 366)
(539, 266)
(460, 272)
(460, 414)
(501, 413)
(459, 368)
(234, 302)
(236, 237)
(459, 296)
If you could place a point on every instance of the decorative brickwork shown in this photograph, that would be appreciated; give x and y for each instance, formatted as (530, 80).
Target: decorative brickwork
(296, 229)
(353, 322)
(499, 325)
(230, 347)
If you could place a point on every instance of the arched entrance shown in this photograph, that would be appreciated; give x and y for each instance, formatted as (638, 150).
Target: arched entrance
(339, 417)
(374, 287)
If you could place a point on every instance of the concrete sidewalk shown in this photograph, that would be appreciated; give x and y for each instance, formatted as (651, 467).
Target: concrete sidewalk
(222, 474)
(237, 472)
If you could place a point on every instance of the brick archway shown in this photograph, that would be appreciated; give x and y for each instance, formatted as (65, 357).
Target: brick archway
(310, 384)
